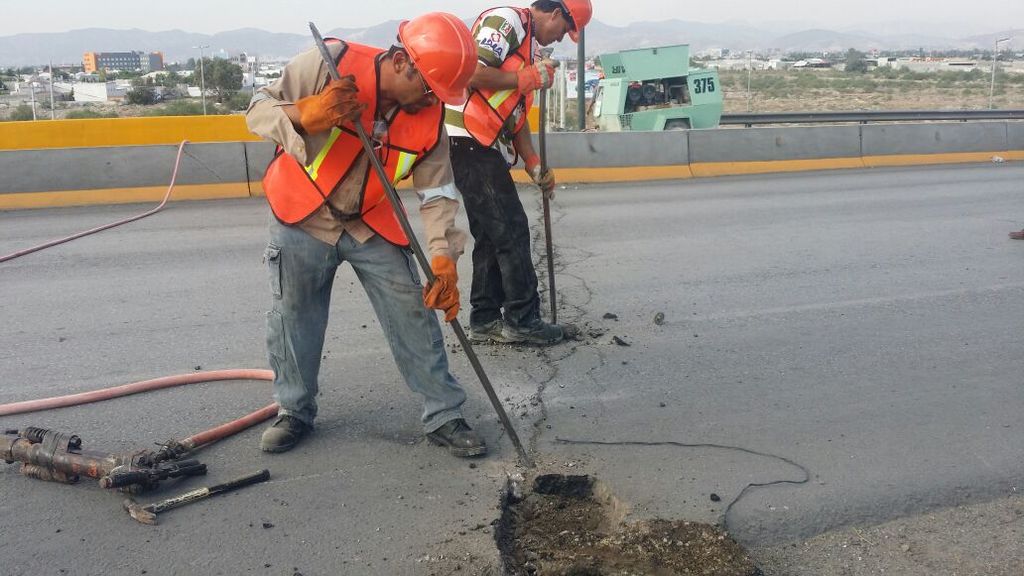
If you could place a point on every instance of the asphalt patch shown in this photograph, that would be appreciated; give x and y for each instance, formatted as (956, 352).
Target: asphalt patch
(574, 525)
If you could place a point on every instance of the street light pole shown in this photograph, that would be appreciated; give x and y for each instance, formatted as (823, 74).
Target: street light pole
(202, 75)
(995, 60)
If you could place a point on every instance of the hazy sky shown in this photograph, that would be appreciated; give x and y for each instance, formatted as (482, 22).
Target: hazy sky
(208, 16)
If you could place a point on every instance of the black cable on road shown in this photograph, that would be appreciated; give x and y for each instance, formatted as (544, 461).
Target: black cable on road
(725, 515)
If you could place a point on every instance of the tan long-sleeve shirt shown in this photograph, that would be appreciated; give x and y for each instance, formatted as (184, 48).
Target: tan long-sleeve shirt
(432, 177)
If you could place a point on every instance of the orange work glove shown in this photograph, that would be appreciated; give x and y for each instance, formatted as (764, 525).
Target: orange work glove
(537, 76)
(335, 105)
(443, 293)
(545, 180)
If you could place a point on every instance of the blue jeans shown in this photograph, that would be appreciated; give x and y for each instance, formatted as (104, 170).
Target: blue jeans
(302, 271)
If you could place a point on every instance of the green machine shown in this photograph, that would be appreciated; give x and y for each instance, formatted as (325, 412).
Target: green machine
(655, 89)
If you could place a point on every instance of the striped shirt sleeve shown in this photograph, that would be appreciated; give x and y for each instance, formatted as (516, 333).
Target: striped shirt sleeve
(498, 34)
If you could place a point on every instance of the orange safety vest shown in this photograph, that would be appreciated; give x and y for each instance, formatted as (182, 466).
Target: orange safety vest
(487, 111)
(296, 192)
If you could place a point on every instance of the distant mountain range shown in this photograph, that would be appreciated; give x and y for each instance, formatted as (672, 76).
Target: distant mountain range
(177, 45)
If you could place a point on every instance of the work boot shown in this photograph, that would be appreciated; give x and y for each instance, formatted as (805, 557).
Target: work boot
(284, 434)
(490, 332)
(459, 438)
(1017, 235)
(538, 332)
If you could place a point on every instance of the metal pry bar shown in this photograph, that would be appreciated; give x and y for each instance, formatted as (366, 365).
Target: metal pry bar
(147, 514)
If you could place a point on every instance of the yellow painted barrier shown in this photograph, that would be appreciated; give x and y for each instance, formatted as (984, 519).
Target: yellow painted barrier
(62, 198)
(944, 158)
(97, 132)
(710, 169)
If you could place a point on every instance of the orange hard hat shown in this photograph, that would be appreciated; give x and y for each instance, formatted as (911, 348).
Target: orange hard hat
(580, 11)
(442, 49)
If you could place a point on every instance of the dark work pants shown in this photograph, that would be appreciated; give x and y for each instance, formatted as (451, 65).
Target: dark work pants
(503, 274)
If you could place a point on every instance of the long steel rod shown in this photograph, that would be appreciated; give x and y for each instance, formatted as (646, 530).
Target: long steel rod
(581, 82)
(396, 205)
(541, 133)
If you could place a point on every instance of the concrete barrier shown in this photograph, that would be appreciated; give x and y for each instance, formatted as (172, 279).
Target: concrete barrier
(137, 166)
(257, 156)
(1015, 138)
(932, 138)
(759, 150)
(772, 144)
(612, 150)
(79, 176)
(932, 143)
(70, 175)
(617, 157)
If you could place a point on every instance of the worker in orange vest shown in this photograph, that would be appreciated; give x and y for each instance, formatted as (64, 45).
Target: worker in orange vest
(330, 207)
(489, 133)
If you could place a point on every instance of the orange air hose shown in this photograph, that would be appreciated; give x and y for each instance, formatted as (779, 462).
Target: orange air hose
(196, 440)
(174, 176)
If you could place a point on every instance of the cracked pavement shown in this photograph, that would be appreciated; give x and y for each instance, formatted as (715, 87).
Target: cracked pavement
(861, 325)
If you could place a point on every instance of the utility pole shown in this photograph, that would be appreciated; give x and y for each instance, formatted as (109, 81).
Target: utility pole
(32, 93)
(202, 75)
(995, 60)
(53, 115)
(560, 74)
(750, 61)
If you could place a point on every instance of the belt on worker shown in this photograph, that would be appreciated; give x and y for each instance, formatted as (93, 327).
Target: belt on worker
(338, 214)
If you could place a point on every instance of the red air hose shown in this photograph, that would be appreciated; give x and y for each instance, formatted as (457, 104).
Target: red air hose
(174, 176)
(196, 440)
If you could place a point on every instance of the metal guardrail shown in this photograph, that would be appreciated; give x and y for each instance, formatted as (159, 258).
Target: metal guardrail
(866, 117)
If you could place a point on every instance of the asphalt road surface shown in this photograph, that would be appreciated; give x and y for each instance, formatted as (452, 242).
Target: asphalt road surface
(852, 339)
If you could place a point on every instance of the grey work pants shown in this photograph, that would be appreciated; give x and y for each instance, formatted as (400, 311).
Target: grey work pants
(302, 271)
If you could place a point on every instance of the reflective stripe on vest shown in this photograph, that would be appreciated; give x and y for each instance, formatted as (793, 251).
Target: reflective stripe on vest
(487, 111)
(403, 167)
(296, 192)
(314, 168)
(498, 98)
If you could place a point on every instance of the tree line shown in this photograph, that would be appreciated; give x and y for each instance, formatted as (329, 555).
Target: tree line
(221, 78)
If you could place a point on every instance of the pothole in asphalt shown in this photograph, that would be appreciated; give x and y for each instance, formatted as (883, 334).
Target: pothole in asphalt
(574, 526)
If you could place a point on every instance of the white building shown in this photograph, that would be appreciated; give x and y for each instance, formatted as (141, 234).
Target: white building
(257, 81)
(739, 63)
(97, 91)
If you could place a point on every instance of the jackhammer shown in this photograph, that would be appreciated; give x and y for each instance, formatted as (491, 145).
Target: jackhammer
(59, 457)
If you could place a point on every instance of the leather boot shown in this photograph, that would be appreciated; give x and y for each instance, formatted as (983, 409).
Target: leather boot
(538, 332)
(459, 438)
(284, 434)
